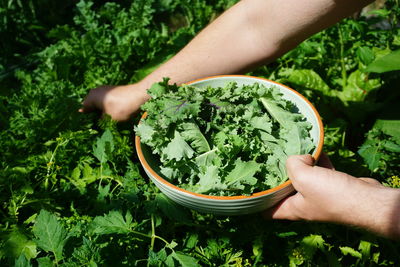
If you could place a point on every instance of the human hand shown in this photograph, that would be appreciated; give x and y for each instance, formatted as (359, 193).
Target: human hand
(120, 102)
(327, 195)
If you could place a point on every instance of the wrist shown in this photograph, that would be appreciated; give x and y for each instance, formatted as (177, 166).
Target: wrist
(138, 92)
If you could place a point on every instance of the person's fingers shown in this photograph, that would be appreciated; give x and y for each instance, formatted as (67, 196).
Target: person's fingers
(299, 166)
(325, 162)
(285, 210)
(87, 107)
(95, 99)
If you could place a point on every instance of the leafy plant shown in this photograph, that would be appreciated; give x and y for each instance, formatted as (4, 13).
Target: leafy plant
(223, 141)
(72, 191)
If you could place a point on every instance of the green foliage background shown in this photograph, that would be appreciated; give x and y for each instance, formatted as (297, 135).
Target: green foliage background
(71, 188)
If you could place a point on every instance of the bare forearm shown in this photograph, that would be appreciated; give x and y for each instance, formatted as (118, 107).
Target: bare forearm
(379, 212)
(251, 33)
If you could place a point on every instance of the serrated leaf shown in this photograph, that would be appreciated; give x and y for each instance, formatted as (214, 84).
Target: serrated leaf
(370, 152)
(191, 133)
(310, 244)
(21, 261)
(104, 146)
(145, 132)
(206, 158)
(185, 260)
(208, 181)
(262, 122)
(243, 173)
(281, 115)
(50, 234)
(365, 54)
(87, 254)
(178, 148)
(350, 251)
(44, 262)
(111, 223)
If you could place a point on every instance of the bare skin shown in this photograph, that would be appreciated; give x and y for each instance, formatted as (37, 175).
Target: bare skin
(252, 33)
(326, 195)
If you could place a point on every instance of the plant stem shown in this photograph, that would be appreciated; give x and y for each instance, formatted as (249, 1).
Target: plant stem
(153, 233)
(343, 65)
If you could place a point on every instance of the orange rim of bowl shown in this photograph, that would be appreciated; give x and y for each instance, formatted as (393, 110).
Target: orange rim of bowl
(316, 155)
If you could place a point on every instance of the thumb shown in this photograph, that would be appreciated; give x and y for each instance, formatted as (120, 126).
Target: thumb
(88, 105)
(298, 166)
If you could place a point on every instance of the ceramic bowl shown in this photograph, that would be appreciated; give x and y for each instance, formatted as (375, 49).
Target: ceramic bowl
(233, 205)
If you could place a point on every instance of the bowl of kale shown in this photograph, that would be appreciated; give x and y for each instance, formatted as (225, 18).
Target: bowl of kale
(220, 144)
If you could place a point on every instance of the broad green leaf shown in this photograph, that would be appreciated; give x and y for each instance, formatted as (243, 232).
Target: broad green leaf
(365, 248)
(112, 223)
(350, 251)
(82, 176)
(178, 148)
(21, 261)
(278, 113)
(18, 244)
(210, 180)
(389, 127)
(391, 146)
(370, 151)
(169, 262)
(157, 258)
(281, 115)
(206, 158)
(310, 244)
(263, 123)
(294, 139)
(185, 260)
(243, 173)
(386, 63)
(307, 79)
(191, 133)
(51, 235)
(104, 146)
(145, 132)
(357, 87)
(45, 262)
(192, 241)
(365, 54)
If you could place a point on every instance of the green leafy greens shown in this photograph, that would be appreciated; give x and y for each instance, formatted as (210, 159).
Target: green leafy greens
(223, 141)
(71, 188)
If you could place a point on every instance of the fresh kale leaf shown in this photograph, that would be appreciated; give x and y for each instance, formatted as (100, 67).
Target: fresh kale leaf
(223, 141)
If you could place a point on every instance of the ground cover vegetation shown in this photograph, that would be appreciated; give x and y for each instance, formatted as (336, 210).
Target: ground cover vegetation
(71, 189)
